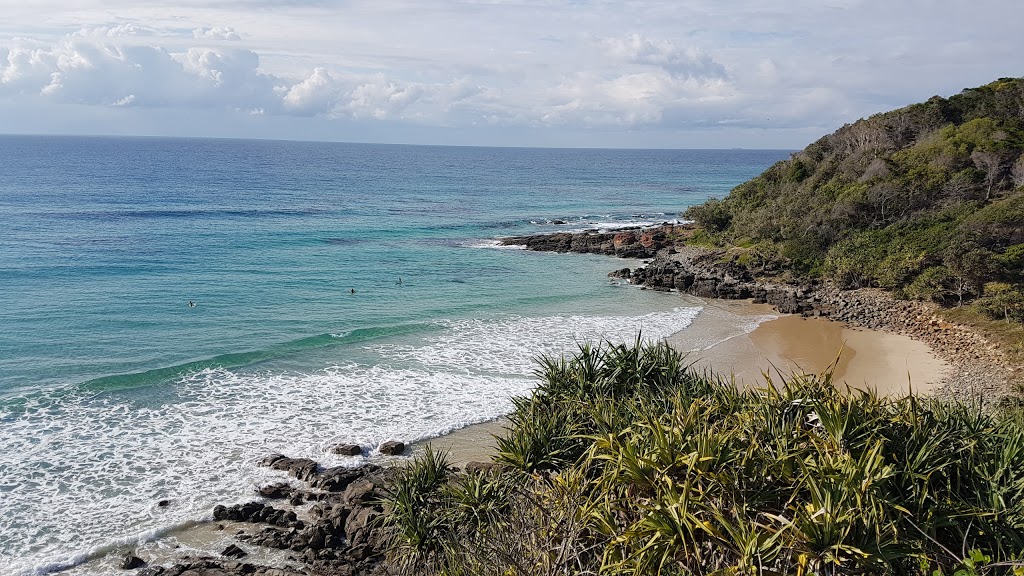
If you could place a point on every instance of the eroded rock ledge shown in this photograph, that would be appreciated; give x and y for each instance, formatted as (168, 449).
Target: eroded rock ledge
(624, 243)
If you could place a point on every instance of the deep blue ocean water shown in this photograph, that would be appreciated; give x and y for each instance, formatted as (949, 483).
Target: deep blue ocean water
(115, 393)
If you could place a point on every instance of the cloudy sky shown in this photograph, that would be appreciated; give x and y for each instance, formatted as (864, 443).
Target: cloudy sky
(631, 73)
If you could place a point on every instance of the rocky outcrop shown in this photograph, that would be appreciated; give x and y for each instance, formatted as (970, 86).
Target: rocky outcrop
(627, 243)
(339, 533)
(299, 468)
(259, 513)
(213, 567)
(704, 273)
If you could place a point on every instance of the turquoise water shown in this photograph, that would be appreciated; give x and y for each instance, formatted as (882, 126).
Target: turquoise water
(115, 393)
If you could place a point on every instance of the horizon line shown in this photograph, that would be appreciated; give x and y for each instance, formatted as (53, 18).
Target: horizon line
(350, 142)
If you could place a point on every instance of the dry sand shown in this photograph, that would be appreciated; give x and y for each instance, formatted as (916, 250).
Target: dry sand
(888, 363)
(724, 337)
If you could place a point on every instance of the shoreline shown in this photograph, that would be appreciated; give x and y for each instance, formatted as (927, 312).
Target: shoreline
(719, 337)
(779, 345)
(979, 368)
(787, 344)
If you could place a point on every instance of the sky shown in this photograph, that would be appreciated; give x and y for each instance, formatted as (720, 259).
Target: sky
(574, 73)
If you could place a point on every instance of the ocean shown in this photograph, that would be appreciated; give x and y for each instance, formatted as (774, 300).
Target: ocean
(175, 309)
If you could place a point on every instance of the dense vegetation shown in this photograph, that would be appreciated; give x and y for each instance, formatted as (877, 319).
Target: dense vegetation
(927, 201)
(625, 461)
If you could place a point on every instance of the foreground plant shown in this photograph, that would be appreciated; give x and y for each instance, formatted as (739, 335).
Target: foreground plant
(625, 461)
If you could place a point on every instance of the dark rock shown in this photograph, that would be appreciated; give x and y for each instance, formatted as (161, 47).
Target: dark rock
(233, 551)
(338, 478)
(213, 567)
(276, 491)
(392, 448)
(279, 539)
(359, 525)
(255, 512)
(301, 468)
(131, 562)
(268, 461)
(163, 503)
(480, 467)
(347, 450)
(361, 491)
(558, 222)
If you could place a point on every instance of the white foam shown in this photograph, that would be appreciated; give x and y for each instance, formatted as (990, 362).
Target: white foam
(81, 473)
(614, 225)
(494, 244)
(510, 345)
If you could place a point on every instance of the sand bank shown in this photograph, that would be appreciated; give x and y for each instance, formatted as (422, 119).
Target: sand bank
(724, 338)
(889, 363)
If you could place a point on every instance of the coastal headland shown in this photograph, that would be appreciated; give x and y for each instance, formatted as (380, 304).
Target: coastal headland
(626, 457)
(328, 520)
(978, 367)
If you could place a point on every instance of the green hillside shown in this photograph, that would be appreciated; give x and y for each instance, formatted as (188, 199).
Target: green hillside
(927, 201)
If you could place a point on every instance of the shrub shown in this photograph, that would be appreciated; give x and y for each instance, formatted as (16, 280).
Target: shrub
(1002, 301)
(935, 283)
(683, 473)
(713, 215)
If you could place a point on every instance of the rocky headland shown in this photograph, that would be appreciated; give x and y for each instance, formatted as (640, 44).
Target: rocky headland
(981, 369)
(328, 520)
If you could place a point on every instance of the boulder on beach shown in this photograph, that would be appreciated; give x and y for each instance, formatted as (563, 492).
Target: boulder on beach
(131, 562)
(392, 448)
(347, 449)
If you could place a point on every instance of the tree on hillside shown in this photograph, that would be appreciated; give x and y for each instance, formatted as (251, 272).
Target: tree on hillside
(1002, 300)
(992, 163)
(969, 265)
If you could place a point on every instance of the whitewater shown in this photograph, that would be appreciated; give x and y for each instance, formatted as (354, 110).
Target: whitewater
(125, 413)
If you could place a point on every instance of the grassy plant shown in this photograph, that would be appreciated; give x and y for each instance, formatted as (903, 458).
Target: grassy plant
(625, 461)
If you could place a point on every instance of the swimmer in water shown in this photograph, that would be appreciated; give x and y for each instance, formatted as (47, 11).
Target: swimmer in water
(352, 290)
(191, 304)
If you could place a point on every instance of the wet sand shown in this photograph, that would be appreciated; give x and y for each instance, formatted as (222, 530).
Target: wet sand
(474, 443)
(747, 340)
(887, 363)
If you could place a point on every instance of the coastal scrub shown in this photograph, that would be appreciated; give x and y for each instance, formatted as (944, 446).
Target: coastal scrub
(625, 460)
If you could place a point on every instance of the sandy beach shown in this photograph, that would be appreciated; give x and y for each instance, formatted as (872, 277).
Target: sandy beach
(722, 337)
(888, 363)
(780, 345)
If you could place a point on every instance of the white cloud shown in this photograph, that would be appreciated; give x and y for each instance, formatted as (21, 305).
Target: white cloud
(559, 65)
(682, 62)
(383, 99)
(317, 94)
(216, 33)
(118, 31)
